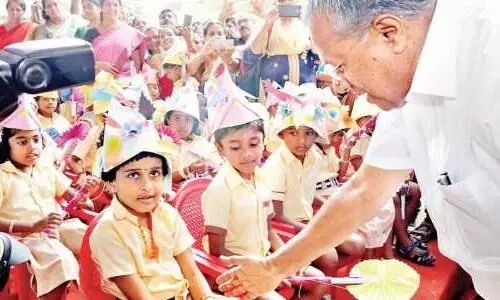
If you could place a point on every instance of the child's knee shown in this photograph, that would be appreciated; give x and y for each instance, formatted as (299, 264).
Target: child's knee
(356, 245)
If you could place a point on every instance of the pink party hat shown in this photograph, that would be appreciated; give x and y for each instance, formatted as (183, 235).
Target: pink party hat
(228, 106)
(23, 118)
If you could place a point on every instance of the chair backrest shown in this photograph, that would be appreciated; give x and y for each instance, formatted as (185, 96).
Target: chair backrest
(90, 277)
(188, 204)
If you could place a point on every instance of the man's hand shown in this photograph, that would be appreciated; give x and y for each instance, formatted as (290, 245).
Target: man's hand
(252, 277)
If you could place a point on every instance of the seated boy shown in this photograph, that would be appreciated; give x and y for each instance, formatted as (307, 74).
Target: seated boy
(293, 171)
(237, 205)
(141, 244)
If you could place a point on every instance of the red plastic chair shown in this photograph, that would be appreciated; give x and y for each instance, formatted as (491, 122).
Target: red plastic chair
(188, 204)
(90, 277)
(19, 284)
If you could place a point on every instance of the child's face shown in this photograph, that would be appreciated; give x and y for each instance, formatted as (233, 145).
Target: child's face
(362, 121)
(25, 147)
(154, 91)
(243, 149)
(47, 106)
(182, 123)
(173, 73)
(139, 184)
(299, 140)
(337, 137)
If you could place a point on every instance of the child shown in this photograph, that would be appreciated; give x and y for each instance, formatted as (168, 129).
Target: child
(237, 204)
(174, 67)
(141, 244)
(197, 155)
(28, 206)
(377, 231)
(47, 107)
(362, 112)
(294, 169)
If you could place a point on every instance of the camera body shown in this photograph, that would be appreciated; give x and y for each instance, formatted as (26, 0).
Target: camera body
(46, 65)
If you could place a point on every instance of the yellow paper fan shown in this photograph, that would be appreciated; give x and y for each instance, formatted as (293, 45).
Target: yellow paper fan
(389, 280)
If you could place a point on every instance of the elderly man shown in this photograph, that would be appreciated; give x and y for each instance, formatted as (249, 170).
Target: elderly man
(434, 66)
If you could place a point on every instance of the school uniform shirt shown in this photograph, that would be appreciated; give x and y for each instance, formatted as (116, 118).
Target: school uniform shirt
(242, 209)
(292, 182)
(119, 249)
(30, 197)
(361, 146)
(327, 182)
(451, 124)
(86, 150)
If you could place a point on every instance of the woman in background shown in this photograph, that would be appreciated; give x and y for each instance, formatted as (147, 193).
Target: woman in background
(57, 24)
(16, 29)
(117, 46)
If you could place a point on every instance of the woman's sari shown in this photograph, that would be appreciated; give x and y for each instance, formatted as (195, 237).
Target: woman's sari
(117, 46)
(18, 33)
(288, 56)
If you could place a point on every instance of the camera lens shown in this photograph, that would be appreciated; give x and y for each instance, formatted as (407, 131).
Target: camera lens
(34, 75)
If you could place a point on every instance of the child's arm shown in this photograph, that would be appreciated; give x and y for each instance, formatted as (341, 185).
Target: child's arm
(280, 216)
(198, 286)
(26, 227)
(217, 241)
(132, 287)
(276, 241)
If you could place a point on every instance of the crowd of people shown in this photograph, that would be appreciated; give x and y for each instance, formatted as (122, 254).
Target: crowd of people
(244, 100)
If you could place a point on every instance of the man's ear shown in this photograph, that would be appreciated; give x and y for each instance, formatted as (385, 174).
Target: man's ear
(392, 30)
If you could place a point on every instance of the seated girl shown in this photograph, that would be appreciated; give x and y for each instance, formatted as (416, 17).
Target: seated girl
(237, 205)
(197, 156)
(140, 243)
(28, 206)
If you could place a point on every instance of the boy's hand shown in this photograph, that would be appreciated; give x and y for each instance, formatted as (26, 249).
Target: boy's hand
(48, 225)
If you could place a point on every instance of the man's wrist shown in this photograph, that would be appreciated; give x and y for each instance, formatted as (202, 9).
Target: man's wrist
(277, 267)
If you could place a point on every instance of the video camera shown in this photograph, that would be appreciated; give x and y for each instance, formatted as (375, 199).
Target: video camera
(39, 66)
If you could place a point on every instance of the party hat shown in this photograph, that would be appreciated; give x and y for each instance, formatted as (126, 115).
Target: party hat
(104, 89)
(227, 104)
(363, 108)
(127, 134)
(184, 100)
(23, 118)
(174, 57)
(51, 95)
(298, 106)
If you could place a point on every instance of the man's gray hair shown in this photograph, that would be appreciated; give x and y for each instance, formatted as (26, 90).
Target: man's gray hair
(355, 16)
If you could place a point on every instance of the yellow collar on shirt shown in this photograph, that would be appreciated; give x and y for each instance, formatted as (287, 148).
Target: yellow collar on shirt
(121, 212)
(234, 179)
(312, 156)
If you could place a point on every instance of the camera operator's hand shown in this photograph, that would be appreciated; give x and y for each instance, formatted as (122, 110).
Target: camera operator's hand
(185, 32)
(48, 225)
(106, 66)
(271, 18)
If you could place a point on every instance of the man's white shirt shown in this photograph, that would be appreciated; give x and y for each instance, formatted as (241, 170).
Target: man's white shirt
(451, 123)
